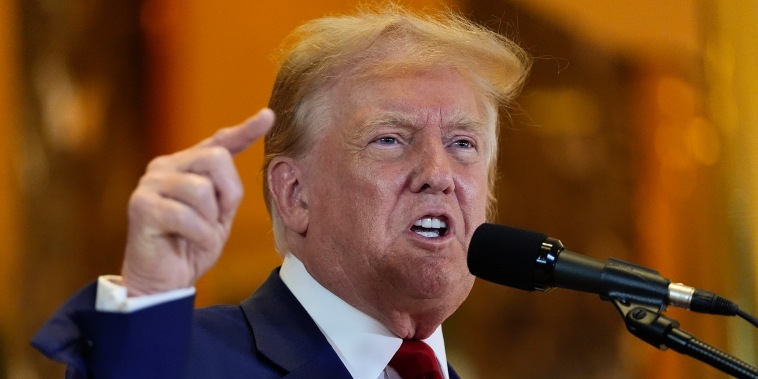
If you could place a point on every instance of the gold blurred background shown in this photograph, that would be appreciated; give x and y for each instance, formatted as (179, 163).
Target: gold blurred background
(634, 139)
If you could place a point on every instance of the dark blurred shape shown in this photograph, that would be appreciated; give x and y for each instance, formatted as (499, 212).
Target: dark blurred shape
(83, 146)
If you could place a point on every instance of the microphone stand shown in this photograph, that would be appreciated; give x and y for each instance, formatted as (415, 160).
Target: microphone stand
(647, 323)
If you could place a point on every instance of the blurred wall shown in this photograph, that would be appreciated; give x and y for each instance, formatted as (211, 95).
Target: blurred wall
(79, 148)
(731, 56)
(634, 140)
(9, 225)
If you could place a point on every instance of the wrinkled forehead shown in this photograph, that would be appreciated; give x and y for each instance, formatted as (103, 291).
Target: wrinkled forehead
(435, 81)
(371, 84)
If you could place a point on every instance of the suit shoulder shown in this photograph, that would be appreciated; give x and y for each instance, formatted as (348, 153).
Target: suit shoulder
(223, 345)
(222, 318)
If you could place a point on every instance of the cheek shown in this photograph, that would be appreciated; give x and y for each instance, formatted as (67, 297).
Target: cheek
(373, 184)
(356, 195)
(472, 197)
(472, 193)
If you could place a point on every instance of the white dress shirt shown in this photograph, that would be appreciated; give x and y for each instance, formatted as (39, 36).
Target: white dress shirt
(364, 345)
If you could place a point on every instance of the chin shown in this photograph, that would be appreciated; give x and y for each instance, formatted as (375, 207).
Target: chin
(433, 282)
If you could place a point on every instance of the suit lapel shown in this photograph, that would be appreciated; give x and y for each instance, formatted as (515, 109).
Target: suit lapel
(286, 334)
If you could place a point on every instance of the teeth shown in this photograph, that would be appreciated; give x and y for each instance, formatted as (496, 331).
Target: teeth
(429, 234)
(432, 227)
(430, 223)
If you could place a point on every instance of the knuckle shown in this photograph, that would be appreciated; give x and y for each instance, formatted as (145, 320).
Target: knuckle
(200, 187)
(141, 205)
(158, 163)
(236, 192)
(138, 199)
(218, 154)
(178, 216)
(150, 178)
(222, 134)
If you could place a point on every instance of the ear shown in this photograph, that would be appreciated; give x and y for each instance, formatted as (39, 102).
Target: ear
(285, 182)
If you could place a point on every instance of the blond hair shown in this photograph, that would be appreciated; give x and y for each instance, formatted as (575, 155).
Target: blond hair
(375, 41)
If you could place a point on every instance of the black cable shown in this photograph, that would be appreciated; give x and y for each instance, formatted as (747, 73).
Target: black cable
(748, 317)
(709, 302)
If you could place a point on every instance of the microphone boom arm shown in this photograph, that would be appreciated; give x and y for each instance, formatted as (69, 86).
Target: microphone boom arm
(647, 323)
(639, 294)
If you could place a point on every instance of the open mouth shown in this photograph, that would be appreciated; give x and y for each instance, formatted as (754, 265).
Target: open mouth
(430, 227)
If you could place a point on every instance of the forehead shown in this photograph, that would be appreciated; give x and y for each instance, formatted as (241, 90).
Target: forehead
(436, 95)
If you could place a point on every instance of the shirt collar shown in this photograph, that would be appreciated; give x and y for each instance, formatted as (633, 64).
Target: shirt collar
(364, 345)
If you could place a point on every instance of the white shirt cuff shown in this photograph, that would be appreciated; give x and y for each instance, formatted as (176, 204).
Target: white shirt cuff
(112, 296)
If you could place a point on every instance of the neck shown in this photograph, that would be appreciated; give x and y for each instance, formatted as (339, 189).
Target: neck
(409, 326)
(405, 312)
(406, 317)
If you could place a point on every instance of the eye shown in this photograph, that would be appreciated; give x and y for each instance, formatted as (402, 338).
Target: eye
(386, 140)
(463, 144)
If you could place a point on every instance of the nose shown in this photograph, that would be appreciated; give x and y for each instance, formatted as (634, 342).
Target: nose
(433, 171)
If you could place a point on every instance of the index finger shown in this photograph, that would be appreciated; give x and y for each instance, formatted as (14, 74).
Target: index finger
(237, 138)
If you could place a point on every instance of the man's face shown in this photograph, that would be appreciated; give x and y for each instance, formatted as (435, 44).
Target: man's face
(395, 186)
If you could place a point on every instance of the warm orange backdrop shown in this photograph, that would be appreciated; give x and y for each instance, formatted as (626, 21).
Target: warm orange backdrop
(208, 66)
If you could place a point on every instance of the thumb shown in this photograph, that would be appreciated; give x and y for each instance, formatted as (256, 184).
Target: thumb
(237, 138)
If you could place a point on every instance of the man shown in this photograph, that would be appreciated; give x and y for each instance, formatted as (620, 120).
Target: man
(378, 169)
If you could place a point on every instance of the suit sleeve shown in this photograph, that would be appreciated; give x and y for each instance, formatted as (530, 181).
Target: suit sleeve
(150, 343)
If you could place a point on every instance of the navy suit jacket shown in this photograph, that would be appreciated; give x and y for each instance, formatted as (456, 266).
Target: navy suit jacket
(269, 335)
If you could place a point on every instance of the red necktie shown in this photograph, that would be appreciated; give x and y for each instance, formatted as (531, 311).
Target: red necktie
(416, 360)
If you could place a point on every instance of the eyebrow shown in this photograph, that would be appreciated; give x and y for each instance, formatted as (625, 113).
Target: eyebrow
(458, 120)
(462, 120)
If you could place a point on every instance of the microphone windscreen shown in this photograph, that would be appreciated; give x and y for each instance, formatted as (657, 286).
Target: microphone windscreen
(505, 255)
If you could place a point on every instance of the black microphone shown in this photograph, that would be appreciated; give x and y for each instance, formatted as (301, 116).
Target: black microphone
(532, 261)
